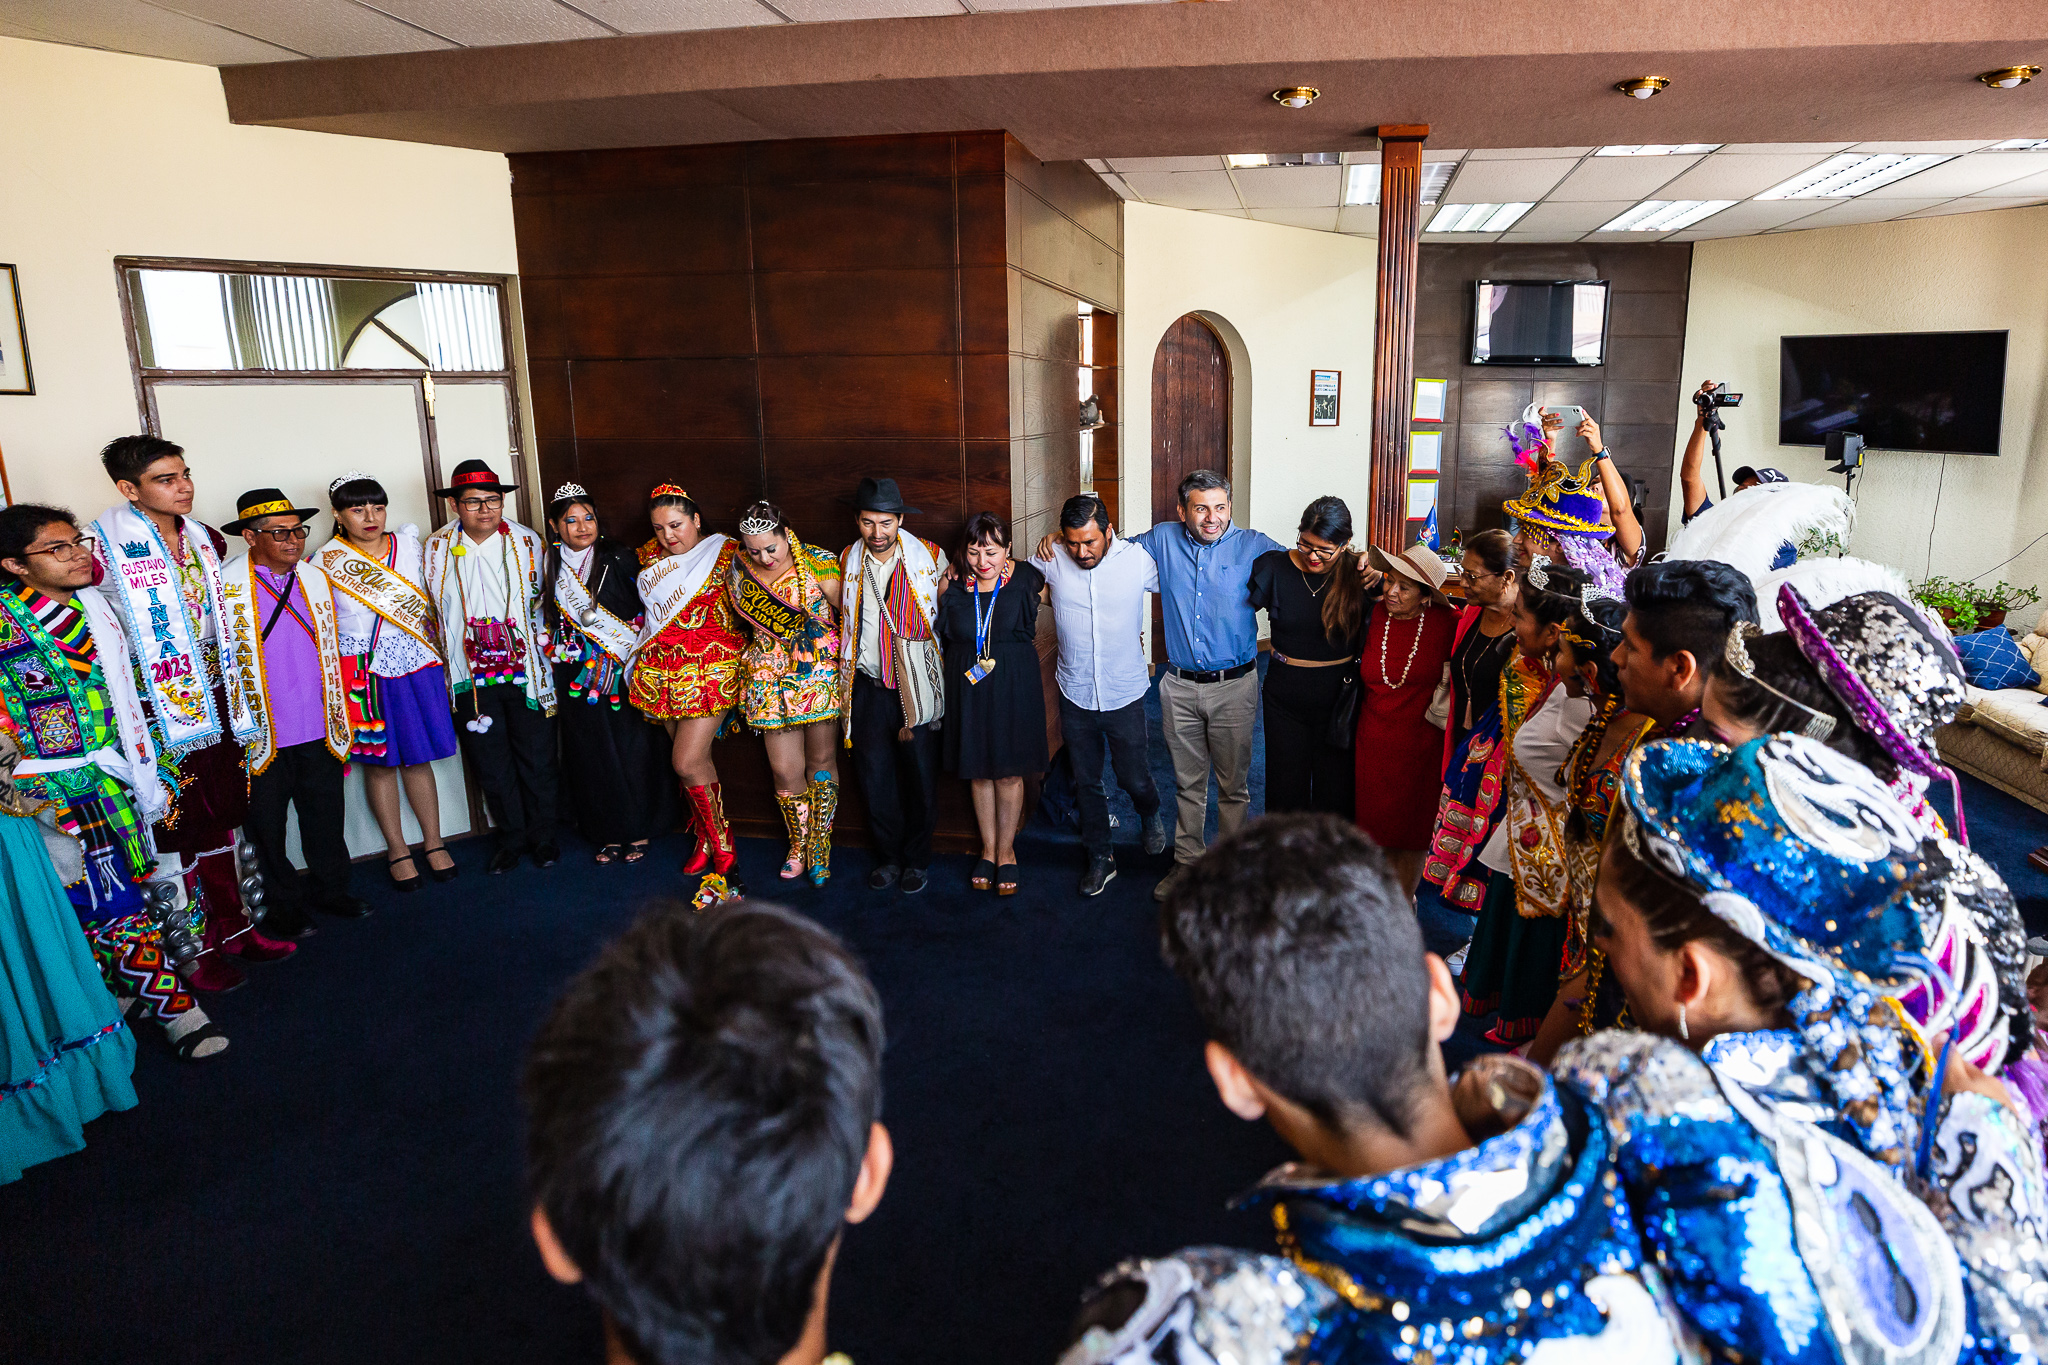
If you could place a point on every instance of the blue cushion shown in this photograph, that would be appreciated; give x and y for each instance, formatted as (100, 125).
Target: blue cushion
(1992, 659)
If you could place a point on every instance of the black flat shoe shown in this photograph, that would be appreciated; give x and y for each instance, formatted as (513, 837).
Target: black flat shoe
(411, 883)
(440, 874)
(914, 880)
(984, 875)
(345, 907)
(546, 855)
(1101, 872)
(502, 860)
(884, 876)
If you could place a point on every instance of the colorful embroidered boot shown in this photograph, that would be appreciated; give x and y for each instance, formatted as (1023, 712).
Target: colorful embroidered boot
(795, 814)
(824, 793)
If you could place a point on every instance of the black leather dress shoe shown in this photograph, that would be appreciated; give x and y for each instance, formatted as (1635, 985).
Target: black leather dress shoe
(914, 880)
(1101, 872)
(502, 860)
(345, 907)
(286, 924)
(546, 855)
(885, 875)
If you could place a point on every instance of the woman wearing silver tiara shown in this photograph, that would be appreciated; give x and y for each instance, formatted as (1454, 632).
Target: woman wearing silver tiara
(614, 761)
(392, 670)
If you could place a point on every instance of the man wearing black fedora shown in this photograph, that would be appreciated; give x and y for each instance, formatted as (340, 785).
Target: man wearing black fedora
(483, 572)
(892, 676)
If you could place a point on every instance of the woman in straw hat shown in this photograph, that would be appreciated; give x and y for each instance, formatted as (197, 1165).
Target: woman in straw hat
(1399, 749)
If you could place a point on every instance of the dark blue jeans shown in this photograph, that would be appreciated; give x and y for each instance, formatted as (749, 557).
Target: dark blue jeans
(1085, 733)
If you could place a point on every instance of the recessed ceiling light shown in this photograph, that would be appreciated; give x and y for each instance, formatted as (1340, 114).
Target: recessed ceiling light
(1642, 87)
(2008, 77)
(1660, 149)
(1246, 160)
(2020, 144)
(1297, 96)
(1666, 215)
(1476, 217)
(1362, 183)
(1848, 175)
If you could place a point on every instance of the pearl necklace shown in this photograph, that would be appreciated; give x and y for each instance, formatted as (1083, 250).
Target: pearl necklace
(1413, 646)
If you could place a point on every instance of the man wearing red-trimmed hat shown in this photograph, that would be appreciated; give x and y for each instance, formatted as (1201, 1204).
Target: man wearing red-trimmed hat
(483, 573)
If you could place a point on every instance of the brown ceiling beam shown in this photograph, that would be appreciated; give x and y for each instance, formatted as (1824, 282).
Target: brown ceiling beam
(1158, 80)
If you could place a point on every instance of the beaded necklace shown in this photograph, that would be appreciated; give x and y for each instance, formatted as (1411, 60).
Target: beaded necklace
(1415, 644)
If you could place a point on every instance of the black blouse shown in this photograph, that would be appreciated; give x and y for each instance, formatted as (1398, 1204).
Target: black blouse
(1015, 619)
(1293, 602)
(1475, 672)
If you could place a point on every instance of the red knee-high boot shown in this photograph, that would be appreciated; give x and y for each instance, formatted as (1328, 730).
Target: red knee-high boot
(699, 861)
(714, 845)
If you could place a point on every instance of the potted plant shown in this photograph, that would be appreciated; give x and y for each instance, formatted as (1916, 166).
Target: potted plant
(1993, 603)
(1955, 603)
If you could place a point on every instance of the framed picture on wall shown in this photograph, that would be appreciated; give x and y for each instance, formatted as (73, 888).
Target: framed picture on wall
(1429, 399)
(1324, 391)
(15, 375)
(1425, 452)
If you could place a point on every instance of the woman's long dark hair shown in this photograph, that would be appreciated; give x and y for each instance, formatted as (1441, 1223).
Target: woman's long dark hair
(551, 564)
(1777, 660)
(1328, 518)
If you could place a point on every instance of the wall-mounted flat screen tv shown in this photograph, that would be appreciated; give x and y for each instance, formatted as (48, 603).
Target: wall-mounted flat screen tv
(1930, 391)
(1539, 322)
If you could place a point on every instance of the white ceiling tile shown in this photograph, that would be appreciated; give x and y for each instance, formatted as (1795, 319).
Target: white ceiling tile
(1571, 218)
(1228, 213)
(1979, 204)
(1290, 187)
(1516, 153)
(1950, 147)
(1818, 149)
(1166, 163)
(1623, 237)
(1373, 158)
(826, 11)
(487, 23)
(1621, 177)
(1505, 182)
(1185, 189)
(132, 26)
(1726, 175)
(1459, 238)
(318, 28)
(1983, 173)
(1869, 209)
(1539, 236)
(1365, 219)
(1118, 187)
(1757, 215)
(2034, 186)
(675, 16)
(1321, 220)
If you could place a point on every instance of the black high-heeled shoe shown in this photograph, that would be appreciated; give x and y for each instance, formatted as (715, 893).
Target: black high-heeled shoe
(440, 874)
(411, 883)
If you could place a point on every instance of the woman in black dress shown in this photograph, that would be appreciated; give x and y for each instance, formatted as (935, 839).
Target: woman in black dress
(1315, 607)
(995, 701)
(614, 762)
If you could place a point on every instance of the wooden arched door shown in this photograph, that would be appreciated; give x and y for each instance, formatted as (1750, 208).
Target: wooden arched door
(1190, 423)
(1190, 410)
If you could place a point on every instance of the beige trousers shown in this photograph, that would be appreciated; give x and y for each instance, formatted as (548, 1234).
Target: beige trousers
(1209, 726)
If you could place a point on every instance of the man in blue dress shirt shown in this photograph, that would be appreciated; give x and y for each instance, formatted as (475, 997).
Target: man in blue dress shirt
(1209, 697)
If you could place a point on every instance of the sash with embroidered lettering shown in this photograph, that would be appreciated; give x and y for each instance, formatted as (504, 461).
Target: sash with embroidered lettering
(402, 603)
(244, 628)
(612, 635)
(163, 633)
(668, 584)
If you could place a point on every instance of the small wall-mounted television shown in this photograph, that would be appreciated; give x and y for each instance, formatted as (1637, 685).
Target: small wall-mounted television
(1539, 322)
(1940, 392)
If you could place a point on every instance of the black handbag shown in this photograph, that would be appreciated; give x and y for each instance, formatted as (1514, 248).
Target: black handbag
(1342, 730)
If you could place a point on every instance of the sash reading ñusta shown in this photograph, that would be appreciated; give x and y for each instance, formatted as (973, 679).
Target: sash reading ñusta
(394, 597)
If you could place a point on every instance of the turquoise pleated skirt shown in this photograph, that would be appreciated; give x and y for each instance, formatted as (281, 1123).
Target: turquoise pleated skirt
(65, 1055)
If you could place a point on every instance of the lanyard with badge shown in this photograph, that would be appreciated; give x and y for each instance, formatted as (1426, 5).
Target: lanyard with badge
(983, 664)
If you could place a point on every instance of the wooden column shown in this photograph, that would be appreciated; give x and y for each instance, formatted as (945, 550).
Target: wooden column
(1393, 339)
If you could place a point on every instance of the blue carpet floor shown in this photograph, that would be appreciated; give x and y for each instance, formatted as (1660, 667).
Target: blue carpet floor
(343, 1184)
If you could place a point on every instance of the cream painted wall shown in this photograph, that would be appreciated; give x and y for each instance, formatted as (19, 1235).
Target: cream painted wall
(1287, 301)
(1965, 272)
(111, 154)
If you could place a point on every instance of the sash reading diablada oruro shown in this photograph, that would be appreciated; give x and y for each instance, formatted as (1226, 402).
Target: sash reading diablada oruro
(668, 585)
(383, 590)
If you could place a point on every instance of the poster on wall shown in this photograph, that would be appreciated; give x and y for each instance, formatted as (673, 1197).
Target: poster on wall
(1421, 498)
(1425, 452)
(1429, 399)
(1323, 393)
(15, 376)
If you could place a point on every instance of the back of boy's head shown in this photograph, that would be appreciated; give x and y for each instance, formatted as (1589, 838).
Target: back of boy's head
(699, 1105)
(1305, 960)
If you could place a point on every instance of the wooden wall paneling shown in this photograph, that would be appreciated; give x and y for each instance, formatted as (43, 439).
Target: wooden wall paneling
(1394, 310)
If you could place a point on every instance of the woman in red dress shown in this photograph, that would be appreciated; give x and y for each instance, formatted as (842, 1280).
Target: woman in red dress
(1399, 751)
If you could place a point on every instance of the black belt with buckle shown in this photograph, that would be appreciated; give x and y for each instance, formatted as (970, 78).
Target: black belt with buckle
(1214, 675)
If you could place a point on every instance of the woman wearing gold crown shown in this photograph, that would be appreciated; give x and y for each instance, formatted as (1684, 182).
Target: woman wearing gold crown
(787, 593)
(1568, 516)
(685, 670)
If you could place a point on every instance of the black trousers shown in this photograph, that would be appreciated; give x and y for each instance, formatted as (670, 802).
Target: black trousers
(899, 780)
(1303, 771)
(514, 763)
(1085, 733)
(309, 777)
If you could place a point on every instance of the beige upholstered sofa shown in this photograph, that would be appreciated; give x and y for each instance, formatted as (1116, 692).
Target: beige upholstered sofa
(2000, 736)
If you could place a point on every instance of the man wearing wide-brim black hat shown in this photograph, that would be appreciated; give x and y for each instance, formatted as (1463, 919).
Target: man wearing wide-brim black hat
(483, 574)
(892, 675)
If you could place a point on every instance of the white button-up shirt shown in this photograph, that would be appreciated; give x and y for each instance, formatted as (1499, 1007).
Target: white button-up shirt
(1100, 616)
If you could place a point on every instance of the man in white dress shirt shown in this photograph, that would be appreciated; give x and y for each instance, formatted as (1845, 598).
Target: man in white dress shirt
(1097, 584)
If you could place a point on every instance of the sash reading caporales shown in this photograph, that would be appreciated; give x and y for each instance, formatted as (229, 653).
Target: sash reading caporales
(244, 627)
(143, 587)
(668, 584)
(402, 603)
(612, 635)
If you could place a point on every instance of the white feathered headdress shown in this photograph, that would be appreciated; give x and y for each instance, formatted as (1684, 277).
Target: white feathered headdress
(1751, 527)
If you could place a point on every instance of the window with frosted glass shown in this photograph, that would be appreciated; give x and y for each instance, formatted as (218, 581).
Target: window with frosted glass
(217, 320)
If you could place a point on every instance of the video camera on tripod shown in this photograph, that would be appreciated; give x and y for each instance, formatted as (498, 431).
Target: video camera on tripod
(1712, 397)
